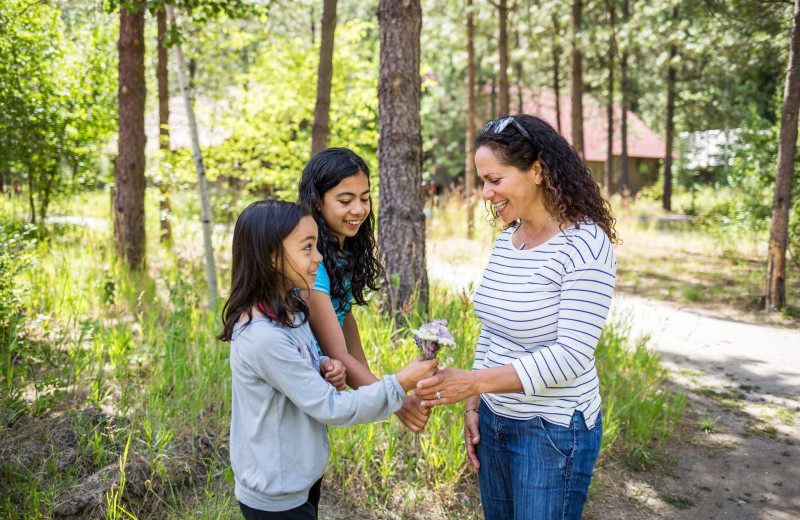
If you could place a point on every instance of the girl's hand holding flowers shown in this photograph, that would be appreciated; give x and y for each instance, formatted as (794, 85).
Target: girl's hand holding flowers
(418, 369)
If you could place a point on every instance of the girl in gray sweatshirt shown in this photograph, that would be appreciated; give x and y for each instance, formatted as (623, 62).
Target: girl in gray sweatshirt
(281, 403)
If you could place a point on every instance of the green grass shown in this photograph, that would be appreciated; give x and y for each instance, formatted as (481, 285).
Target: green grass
(709, 424)
(103, 365)
(677, 501)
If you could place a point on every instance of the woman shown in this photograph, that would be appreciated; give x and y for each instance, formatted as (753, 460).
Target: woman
(532, 415)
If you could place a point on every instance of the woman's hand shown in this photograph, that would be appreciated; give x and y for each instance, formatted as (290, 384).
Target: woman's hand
(471, 435)
(450, 385)
(416, 370)
(335, 373)
(413, 415)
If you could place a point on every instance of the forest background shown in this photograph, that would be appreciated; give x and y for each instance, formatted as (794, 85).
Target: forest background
(109, 368)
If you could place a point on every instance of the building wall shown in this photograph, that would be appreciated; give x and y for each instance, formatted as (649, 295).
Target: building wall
(641, 172)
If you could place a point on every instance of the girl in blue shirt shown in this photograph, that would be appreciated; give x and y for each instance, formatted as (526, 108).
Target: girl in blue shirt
(335, 186)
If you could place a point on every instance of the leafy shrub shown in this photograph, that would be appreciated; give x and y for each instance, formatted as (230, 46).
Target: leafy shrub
(746, 214)
(16, 256)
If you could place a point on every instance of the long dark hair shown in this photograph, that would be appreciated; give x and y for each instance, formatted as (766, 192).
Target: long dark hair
(257, 266)
(570, 193)
(358, 256)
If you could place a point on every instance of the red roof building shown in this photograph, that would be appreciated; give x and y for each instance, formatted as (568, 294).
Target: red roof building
(645, 148)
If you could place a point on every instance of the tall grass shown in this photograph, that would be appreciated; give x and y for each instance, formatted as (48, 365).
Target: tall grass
(106, 365)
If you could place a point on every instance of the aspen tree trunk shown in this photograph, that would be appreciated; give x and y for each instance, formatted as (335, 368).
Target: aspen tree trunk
(401, 222)
(577, 78)
(129, 178)
(320, 130)
(162, 74)
(609, 173)
(670, 130)
(775, 296)
(205, 206)
(623, 158)
(503, 102)
(469, 170)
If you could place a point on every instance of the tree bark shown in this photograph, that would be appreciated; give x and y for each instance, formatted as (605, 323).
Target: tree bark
(469, 171)
(670, 124)
(401, 222)
(520, 78)
(205, 206)
(313, 27)
(623, 158)
(577, 78)
(503, 102)
(775, 296)
(609, 173)
(162, 74)
(320, 130)
(129, 178)
(556, 72)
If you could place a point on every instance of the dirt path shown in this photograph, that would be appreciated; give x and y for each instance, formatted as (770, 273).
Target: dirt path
(738, 453)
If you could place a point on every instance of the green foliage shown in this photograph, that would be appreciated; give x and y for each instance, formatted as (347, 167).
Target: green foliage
(746, 213)
(269, 119)
(17, 243)
(58, 93)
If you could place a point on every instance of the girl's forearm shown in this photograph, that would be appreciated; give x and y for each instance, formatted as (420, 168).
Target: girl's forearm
(353, 339)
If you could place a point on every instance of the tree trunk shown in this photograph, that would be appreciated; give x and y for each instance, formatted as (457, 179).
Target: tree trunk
(469, 171)
(775, 296)
(31, 191)
(493, 97)
(556, 73)
(162, 74)
(313, 27)
(503, 102)
(129, 179)
(520, 79)
(609, 173)
(319, 132)
(577, 78)
(401, 223)
(192, 75)
(205, 206)
(670, 130)
(623, 158)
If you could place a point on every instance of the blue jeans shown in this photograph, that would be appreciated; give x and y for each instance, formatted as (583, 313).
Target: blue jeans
(535, 469)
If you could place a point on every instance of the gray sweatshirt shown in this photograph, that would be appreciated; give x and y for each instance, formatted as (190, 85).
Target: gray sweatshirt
(280, 405)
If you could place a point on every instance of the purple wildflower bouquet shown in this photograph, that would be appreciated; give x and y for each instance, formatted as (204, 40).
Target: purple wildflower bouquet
(431, 337)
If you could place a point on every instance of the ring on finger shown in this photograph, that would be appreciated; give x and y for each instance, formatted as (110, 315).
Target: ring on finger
(438, 395)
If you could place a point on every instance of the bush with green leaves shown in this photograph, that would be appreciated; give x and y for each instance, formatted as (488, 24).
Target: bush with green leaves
(17, 243)
(746, 214)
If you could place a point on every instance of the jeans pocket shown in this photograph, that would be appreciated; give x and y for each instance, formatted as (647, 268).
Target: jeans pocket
(560, 438)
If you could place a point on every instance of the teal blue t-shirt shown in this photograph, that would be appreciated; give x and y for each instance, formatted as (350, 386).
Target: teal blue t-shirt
(323, 283)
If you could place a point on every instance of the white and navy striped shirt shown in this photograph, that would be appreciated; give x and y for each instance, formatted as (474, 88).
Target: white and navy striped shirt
(542, 311)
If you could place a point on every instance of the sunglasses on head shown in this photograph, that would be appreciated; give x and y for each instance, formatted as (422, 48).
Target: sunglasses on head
(495, 126)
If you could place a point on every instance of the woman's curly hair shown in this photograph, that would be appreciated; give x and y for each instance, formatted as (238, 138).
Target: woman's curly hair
(570, 193)
(358, 256)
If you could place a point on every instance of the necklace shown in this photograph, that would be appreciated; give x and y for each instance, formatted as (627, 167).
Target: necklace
(522, 246)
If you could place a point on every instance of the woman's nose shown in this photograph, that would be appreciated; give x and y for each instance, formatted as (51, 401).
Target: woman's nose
(487, 192)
